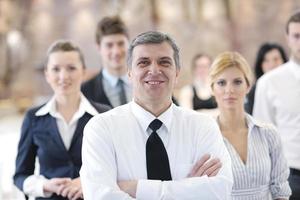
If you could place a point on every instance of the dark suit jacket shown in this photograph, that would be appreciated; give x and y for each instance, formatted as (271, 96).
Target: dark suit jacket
(94, 90)
(40, 138)
(250, 100)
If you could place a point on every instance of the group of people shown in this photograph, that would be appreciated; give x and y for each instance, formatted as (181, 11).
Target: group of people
(198, 96)
(120, 135)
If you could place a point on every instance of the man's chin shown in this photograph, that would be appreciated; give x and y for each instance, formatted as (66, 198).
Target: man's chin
(158, 98)
(118, 65)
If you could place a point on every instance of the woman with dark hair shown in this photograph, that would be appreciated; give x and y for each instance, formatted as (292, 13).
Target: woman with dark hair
(269, 56)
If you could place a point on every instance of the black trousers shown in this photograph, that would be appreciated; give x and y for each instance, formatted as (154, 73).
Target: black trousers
(294, 181)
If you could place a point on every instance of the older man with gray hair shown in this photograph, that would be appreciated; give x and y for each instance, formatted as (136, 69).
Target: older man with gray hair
(150, 148)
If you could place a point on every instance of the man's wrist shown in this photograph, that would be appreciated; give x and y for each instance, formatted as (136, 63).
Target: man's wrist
(148, 189)
(132, 188)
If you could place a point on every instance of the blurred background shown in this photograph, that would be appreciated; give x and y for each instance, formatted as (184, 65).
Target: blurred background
(28, 27)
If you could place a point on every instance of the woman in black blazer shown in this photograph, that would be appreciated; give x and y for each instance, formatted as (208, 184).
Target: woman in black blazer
(53, 132)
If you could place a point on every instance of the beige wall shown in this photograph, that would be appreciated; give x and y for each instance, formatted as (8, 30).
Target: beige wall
(209, 26)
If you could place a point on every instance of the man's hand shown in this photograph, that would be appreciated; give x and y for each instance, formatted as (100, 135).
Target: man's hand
(54, 185)
(72, 190)
(129, 187)
(206, 167)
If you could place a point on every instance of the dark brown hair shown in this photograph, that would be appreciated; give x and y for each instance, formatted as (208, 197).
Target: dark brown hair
(109, 26)
(294, 18)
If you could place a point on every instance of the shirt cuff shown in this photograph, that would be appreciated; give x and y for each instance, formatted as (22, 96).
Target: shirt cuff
(148, 189)
(34, 186)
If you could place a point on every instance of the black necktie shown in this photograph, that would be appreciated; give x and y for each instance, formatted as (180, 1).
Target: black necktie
(158, 167)
(122, 95)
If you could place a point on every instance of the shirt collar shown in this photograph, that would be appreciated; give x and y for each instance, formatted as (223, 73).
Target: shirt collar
(87, 106)
(50, 107)
(295, 67)
(113, 80)
(145, 118)
(252, 122)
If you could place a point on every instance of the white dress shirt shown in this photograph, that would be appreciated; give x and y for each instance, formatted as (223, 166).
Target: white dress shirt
(111, 89)
(277, 100)
(265, 173)
(114, 149)
(33, 185)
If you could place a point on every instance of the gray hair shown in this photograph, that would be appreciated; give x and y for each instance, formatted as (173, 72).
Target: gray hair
(153, 37)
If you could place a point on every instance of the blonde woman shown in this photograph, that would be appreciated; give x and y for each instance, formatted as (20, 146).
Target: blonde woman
(259, 167)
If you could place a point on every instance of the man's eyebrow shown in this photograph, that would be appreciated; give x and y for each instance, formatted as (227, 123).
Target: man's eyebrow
(166, 58)
(143, 58)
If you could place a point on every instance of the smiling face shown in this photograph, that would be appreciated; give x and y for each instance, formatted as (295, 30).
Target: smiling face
(113, 49)
(64, 72)
(153, 74)
(230, 88)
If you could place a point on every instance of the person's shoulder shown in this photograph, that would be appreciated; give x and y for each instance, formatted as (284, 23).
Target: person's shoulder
(30, 116)
(32, 110)
(200, 125)
(113, 114)
(119, 110)
(110, 119)
(192, 115)
(275, 74)
(264, 128)
(257, 122)
(269, 132)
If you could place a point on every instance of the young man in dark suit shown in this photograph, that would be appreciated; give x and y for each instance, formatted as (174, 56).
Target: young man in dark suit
(111, 86)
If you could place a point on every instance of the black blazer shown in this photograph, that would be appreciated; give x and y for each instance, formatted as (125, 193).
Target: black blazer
(94, 90)
(40, 138)
(249, 103)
